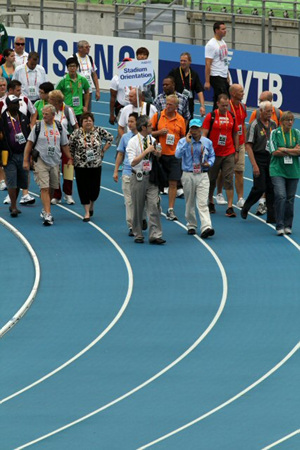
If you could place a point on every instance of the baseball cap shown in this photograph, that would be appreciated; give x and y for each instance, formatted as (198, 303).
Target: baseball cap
(196, 123)
(12, 99)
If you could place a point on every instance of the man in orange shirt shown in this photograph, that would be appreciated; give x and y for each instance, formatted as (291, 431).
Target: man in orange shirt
(267, 96)
(168, 128)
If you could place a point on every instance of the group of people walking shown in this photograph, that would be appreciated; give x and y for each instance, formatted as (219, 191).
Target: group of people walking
(161, 146)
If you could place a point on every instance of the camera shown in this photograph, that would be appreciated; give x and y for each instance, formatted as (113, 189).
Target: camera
(139, 175)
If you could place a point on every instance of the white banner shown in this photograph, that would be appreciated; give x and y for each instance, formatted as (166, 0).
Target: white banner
(55, 47)
(136, 73)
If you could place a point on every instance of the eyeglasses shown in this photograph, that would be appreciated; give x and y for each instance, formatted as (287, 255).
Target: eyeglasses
(20, 43)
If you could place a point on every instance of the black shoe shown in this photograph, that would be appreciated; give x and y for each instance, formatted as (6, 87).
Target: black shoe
(192, 231)
(206, 233)
(130, 232)
(15, 210)
(144, 225)
(14, 213)
(244, 213)
(91, 212)
(158, 241)
(230, 212)
(211, 208)
(139, 240)
(86, 219)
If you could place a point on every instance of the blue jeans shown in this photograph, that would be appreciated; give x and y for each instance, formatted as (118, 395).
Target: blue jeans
(284, 193)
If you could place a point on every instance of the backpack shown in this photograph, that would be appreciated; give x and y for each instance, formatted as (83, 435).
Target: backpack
(213, 117)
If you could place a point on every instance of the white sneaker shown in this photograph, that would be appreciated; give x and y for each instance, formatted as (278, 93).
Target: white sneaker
(166, 191)
(287, 230)
(27, 200)
(55, 201)
(241, 202)
(220, 199)
(48, 220)
(42, 214)
(7, 201)
(69, 199)
(3, 186)
(180, 193)
(280, 232)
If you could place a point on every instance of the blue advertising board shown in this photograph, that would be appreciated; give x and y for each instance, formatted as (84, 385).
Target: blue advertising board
(256, 72)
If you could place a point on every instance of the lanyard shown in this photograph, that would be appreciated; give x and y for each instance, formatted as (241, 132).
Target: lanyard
(227, 120)
(84, 139)
(234, 109)
(190, 78)
(81, 62)
(27, 76)
(290, 137)
(47, 134)
(267, 135)
(62, 113)
(12, 123)
(71, 86)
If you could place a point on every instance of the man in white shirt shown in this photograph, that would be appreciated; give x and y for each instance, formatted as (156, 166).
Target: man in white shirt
(31, 75)
(88, 69)
(216, 63)
(118, 97)
(141, 151)
(142, 108)
(19, 47)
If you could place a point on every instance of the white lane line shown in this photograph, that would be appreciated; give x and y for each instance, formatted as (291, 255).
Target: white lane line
(104, 332)
(228, 402)
(26, 305)
(285, 438)
(167, 368)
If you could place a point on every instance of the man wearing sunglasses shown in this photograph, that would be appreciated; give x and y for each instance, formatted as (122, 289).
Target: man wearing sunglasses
(19, 47)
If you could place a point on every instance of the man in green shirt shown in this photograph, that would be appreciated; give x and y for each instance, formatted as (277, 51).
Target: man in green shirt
(75, 88)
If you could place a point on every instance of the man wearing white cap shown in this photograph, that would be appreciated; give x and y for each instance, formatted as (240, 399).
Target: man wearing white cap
(197, 156)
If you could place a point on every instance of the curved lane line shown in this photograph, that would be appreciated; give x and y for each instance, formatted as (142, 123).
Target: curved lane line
(228, 402)
(285, 438)
(104, 332)
(167, 368)
(24, 308)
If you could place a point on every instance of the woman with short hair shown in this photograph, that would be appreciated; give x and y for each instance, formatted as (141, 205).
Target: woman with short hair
(285, 171)
(87, 152)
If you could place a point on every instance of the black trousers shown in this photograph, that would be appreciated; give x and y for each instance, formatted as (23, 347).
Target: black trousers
(262, 184)
(220, 85)
(88, 183)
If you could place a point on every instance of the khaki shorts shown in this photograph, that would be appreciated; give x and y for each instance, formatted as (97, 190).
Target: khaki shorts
(46, 176)
(240, 164)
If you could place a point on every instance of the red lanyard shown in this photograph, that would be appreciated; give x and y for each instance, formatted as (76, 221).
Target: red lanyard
(27, 76)
(47, 134)
(234, 109)
(190, 78)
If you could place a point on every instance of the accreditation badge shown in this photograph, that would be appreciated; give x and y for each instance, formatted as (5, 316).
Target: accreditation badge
(51, 151)
(20, 138)
(32, 91)
(170, 139)
(76, 101)
(147, 166)
(222, 140)
(90, 155)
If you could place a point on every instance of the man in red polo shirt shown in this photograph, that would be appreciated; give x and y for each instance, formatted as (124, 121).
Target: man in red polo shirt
(168, 129)
(222, 129)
